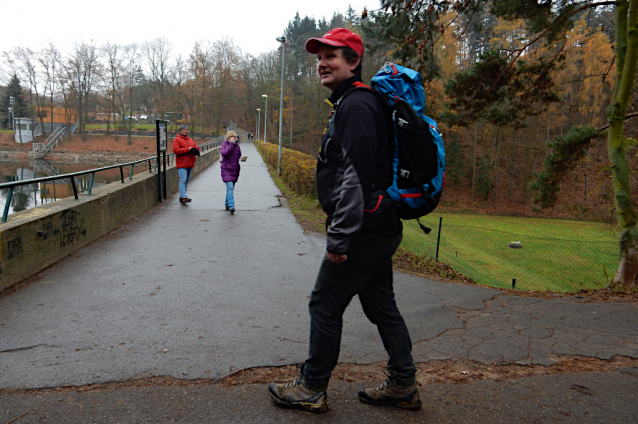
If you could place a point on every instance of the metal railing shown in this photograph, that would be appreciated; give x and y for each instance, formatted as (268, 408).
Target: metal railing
(204, 147)
(41, 149)
(40, 165)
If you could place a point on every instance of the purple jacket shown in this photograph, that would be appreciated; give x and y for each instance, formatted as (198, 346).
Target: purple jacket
(231, 152)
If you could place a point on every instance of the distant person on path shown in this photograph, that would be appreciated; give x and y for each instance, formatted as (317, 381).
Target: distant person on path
(354, 167)
(231, 153)
(186, 152)
(250, 136)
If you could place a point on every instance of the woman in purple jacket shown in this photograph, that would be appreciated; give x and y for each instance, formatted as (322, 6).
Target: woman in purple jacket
(230, 167)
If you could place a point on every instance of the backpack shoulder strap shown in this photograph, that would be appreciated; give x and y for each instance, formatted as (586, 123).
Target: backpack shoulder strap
(356, 86)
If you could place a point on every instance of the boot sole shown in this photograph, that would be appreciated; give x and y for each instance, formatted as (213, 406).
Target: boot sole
(411, 406)
(310, 407)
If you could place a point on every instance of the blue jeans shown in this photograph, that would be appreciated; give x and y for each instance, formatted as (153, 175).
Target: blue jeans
(184, 176)
(367, 273)
(230, 195)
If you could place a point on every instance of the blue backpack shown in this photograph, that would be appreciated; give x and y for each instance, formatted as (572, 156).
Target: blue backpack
(419, 154)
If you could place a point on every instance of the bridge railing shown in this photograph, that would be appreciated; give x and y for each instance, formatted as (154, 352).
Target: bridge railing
(204, 147)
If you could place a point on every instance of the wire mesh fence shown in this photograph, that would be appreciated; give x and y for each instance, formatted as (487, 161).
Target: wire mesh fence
(495, 258)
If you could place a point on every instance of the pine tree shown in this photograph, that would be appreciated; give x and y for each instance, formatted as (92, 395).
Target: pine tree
(15, 90)
(352, 18)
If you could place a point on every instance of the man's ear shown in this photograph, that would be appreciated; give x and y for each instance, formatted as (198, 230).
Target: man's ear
(353, 66)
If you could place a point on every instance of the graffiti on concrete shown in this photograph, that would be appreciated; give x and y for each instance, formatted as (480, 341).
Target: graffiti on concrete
(14, 247)
(48, 230)
(72, 227)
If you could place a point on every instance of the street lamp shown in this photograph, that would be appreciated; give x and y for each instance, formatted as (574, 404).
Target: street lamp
(12, 101)
(258, 123)
(282, 40)
(265, 116)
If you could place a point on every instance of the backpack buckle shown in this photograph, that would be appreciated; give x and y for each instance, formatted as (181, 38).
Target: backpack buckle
(403, 123)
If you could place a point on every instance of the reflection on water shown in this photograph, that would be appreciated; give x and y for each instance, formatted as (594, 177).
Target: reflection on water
(32, 195)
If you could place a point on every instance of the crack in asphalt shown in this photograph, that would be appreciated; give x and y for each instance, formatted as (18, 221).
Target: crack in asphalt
(19, 349)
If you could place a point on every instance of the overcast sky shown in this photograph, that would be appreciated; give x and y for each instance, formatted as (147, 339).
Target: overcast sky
(252, 24)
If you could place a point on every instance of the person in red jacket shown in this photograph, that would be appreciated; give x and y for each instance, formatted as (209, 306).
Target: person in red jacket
(186, 152)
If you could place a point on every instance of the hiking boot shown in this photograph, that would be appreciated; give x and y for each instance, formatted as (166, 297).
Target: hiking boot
(391, 393)
(232, 211)
(295, 394)
(183, 200)
(227, 208)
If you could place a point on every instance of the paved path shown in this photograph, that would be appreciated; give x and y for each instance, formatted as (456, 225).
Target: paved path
(193, 292)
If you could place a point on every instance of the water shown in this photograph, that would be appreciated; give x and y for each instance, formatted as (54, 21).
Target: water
(31, 195)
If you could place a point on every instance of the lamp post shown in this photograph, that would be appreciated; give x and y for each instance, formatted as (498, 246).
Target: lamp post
(282, 40)
(265, 116)
(258, 123)
(12, 101)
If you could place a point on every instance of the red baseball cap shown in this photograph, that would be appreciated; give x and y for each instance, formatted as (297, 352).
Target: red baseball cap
(338, 37)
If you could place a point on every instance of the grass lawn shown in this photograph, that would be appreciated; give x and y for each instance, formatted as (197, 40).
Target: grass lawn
(557, 255)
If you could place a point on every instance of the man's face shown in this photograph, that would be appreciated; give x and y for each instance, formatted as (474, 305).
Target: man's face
(332, 67)
(184, 132)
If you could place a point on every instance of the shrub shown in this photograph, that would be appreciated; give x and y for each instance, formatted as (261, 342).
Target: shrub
(298, 170)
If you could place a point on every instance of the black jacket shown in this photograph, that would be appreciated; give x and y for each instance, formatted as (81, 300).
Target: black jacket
(354, 168)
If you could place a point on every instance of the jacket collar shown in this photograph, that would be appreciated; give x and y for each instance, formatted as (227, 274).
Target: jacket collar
(342, 88)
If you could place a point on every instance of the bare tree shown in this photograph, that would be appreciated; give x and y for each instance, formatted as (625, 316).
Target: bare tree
(157, 60)
(49, 59)
(81, 69)
(112, 78)
(25, 64)
(131, 64)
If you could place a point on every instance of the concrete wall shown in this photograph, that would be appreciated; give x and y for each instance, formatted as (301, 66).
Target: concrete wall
(32, 240)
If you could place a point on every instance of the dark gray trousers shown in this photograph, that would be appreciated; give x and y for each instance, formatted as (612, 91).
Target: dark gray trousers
(368, 274)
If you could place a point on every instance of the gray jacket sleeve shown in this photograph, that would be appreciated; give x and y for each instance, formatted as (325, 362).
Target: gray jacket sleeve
(348, 215)
(356, 125)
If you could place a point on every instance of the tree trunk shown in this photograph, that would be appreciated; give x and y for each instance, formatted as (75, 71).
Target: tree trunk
(626, 57)
(474, 159)
(130, 116)
(587, 172)
(497, 162)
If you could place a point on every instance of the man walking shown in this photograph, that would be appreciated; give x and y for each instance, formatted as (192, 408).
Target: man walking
(354, 168)
(186, 152)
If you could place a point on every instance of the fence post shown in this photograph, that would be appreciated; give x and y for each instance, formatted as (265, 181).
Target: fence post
(91, 183)
(438, 239)
(75, 190)
(7, 205)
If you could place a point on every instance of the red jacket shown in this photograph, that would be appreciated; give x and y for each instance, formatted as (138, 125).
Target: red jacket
(181, 148)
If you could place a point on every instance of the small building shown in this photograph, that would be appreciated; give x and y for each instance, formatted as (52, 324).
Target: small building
(26, 129)
(52, 118)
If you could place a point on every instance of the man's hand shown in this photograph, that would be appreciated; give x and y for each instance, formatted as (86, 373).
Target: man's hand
(335, 258)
